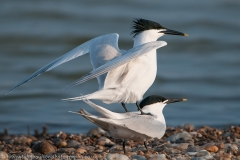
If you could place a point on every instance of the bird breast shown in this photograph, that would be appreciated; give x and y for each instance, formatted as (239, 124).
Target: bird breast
(136, 76)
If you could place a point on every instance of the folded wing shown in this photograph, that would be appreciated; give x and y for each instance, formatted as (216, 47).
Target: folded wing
(142, 124)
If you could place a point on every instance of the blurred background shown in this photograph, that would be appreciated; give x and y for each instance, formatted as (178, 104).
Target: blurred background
(204, 67)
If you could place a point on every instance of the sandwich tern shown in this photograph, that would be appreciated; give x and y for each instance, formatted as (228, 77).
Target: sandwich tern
(123, 76)
(132, 125)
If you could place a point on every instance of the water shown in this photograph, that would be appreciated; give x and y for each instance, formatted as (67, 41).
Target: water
(204, 67)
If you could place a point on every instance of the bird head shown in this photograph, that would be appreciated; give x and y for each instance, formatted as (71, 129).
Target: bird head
(155, 104)
(151, 29)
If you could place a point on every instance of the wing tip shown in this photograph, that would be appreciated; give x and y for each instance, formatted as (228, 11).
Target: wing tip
(12, 89)
(73, 99)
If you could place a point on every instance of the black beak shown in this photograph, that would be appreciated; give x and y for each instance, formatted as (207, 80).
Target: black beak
(172, 32)
(176, 100)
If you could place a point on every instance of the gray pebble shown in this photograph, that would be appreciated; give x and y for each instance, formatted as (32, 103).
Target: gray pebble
(202, 153)
(227, 134)
(116, 157)
(179, 157)
(231, 147)
(191, 153)
(179, 146)
(73, 144)
(180, 137)
(138, 158)
(203, 157)
(194, 148)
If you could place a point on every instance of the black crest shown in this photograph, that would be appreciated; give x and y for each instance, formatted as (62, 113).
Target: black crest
(151, 100)
(140, 25)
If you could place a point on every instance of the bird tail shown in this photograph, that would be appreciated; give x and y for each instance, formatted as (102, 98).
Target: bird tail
(103, 111)
(79, 98)
(106, 96)
(94, 119)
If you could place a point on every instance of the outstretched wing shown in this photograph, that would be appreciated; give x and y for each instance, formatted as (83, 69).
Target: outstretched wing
(125, 58)
(76, 52)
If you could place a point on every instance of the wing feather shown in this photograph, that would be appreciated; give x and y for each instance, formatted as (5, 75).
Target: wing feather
(125, 58)
(74, 53)
(143, 124)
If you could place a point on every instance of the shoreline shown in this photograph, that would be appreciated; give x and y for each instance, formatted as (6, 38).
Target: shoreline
(179, 143)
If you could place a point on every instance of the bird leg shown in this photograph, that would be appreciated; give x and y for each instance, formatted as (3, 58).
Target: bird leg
(124, 144)
(124, 106)
(142, 113)
(145, 145)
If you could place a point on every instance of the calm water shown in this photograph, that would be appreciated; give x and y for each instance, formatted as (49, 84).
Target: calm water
(204, 67)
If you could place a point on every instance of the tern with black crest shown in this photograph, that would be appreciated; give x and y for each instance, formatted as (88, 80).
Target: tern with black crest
(123, 76)
(133, 125)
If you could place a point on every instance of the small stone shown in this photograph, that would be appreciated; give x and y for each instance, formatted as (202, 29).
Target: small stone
(66, 150)
(88, 148)
(73, 144)
(188, 127)
(194, 134)
(117, 148)
(227, 134)
(172, 151)
(28, 141)
(198, 158)
(96, 132)
(138, 158)
(44, 147)
(179, 146)
(140, 153)
(192, 153)
(130, 154)
(3, 155)
(213, 149)
(226, 155)
(202, 153)
(238, 153)
(63, 136)
(231, 148)
(62, 144)
(102, 141)
(81, 150)
(194, 149)
(180, 138)
(116, 157)
(157, 157)
(221, 146)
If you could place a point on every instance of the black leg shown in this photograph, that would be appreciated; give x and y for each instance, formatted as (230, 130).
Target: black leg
(145, 145)
(124, 143)
(139, 108)
(124, 106)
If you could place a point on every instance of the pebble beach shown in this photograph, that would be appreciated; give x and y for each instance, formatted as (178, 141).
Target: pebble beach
(178, 143)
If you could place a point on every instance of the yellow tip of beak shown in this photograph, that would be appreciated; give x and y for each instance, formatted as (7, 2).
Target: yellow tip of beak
(184, 99)
(185, 34)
